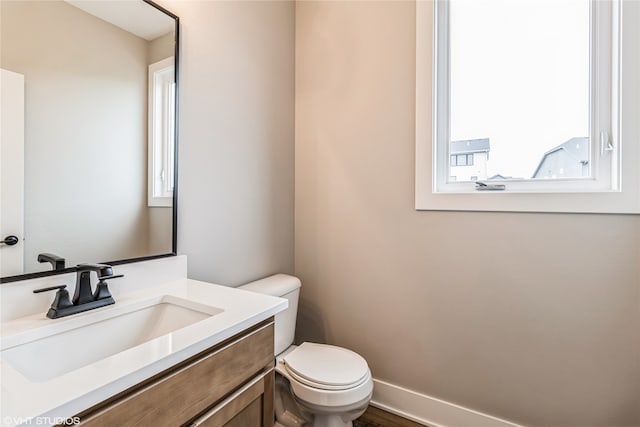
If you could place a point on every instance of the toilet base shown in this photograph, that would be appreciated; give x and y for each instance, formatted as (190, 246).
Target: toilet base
(294, 412)
(337, 416)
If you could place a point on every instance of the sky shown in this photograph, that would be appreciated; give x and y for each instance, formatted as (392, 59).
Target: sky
(519, 76)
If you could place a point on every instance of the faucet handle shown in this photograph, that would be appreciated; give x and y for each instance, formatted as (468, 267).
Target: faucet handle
(50, 288)
(102, 291)
(59, 302)
(113, 276)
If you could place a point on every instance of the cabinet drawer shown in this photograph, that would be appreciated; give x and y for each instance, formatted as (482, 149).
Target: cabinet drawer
(182, 394)
(248, 406)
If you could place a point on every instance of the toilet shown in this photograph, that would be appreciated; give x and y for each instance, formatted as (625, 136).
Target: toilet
(317, 385)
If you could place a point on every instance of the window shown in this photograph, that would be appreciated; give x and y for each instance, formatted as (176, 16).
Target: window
(526, 93)
(529, 93)
(161, 133)
(461, 160)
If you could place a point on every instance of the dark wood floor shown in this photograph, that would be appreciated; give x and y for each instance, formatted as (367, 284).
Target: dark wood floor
(375, 417)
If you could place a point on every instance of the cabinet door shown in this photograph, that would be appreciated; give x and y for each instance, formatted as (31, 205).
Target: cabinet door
(250, 406)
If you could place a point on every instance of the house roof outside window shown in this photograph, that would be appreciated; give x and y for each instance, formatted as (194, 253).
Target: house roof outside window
(567, 159)
(470, 146)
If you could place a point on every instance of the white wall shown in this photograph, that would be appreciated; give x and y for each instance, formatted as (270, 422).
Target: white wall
(529, 317)
(236, 138)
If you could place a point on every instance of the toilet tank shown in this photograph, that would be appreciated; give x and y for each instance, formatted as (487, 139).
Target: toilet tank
(284, 286)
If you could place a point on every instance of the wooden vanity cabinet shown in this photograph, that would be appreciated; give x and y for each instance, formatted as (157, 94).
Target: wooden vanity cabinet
(231, 384)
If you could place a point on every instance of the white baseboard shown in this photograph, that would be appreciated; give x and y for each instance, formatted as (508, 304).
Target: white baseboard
(428, 410)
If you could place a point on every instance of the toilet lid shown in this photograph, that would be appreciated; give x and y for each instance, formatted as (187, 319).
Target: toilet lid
(326, 366)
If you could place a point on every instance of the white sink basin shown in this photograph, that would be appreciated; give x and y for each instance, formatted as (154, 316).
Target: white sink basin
(48, 357)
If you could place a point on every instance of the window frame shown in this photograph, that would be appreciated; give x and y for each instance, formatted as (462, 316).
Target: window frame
(618, 193)
(161, 135)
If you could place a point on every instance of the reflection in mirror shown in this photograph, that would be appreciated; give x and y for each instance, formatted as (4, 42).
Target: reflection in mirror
(98, 132)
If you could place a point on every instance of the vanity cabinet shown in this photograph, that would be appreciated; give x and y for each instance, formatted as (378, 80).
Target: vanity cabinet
(230, 384)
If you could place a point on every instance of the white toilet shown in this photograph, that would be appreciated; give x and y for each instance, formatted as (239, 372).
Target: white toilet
(317, 385)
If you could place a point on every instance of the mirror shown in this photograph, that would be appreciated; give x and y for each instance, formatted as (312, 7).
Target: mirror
(99, 129)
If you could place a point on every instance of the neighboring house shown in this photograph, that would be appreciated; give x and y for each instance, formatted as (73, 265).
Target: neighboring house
(468, 159)
(567, 160)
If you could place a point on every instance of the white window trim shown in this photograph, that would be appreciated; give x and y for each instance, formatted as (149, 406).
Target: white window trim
(161, 110)
(625, 134)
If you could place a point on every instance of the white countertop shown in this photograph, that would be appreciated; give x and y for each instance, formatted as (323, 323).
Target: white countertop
(70, 393)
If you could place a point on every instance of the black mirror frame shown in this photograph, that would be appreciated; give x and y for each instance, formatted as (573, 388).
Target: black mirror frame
(174, 238)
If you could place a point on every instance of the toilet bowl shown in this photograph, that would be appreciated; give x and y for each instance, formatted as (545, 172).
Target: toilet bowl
(318, 385)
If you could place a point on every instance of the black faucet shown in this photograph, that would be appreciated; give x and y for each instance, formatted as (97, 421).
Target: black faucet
(83, 297)
(56, 262)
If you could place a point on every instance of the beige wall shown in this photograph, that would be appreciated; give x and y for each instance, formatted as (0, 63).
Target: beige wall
(529, 317)
(236, 138)
(85, 132)
(160, 230)
(161, 48)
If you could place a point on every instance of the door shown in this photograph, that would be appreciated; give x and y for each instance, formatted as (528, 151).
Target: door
(11, 173)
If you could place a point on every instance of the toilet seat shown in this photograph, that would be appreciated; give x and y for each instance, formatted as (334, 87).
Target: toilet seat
(326, 367)
(321, 386)
(326, 375)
